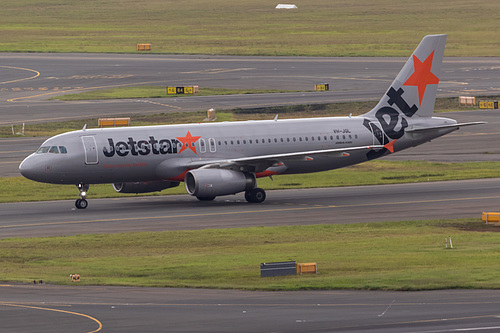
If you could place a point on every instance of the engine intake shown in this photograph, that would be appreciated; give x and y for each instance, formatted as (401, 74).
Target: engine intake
(209, 183)
(143, 187)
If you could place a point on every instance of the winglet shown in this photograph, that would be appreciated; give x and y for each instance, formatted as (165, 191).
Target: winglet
(390, 146)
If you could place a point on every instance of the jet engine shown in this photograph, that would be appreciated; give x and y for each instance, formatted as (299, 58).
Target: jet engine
(143, 187)
(206, 184)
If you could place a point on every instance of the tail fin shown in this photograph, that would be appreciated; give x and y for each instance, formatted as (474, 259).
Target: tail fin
(413, 92)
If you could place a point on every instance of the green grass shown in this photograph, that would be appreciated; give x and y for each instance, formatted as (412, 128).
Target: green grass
(388, 256)
(16, 189)
(154, 92)
(319, 28)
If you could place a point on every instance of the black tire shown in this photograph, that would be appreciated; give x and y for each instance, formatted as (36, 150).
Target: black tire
(257, 195)
(81, 203)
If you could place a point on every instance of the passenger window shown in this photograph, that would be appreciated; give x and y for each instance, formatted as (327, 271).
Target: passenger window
(63, 150)
(54, 150)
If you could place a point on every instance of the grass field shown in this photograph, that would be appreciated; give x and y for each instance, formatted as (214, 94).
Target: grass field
(317, 28)
(389, 256)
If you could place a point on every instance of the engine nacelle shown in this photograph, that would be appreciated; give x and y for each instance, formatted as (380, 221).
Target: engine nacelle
(209, 183)
(143, 187)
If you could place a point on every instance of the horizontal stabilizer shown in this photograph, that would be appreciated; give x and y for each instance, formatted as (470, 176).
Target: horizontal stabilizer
(431, 128)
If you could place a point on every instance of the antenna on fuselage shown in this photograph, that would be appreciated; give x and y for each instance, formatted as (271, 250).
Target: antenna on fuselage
(84, 127)
(276, 118)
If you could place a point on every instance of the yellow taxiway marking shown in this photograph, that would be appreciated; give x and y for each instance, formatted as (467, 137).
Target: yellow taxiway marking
(142, 218)
(12, 162)
(161, 104)
(57, 310)
(80, 89)
(15, 151)
(37, 74)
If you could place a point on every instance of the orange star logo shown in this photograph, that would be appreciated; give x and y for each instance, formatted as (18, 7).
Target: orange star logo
(188, 142)
(422, 75)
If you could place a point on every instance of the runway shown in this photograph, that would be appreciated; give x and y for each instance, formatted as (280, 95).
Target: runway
(114, 309)
(419, 201)
(29, 79)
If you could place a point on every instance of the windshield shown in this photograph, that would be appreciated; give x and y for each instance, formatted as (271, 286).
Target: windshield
(52, 150)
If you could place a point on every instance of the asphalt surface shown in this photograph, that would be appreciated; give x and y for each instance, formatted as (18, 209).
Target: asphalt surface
(113, 309)
(433, 200)
(27, 80)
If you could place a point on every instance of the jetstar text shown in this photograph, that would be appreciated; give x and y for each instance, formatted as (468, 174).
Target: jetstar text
(141, 147)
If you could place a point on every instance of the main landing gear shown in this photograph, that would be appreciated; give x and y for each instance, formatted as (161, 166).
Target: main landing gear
(82, 202)
(257, 195)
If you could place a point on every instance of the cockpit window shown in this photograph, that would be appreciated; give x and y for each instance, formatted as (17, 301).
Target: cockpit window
(52, 150)
(43, 150)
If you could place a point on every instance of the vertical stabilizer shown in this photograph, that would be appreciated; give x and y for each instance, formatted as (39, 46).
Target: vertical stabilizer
(413, 92)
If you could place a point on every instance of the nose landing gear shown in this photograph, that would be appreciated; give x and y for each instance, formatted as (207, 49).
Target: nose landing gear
(82, 202)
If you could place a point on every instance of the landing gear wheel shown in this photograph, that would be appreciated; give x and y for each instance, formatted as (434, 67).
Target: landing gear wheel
(257, 195)
(205, 198)
(81, 203)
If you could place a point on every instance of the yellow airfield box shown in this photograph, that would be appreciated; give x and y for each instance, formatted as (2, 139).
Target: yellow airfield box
(182, 90)
(107, 122)
(143, 47)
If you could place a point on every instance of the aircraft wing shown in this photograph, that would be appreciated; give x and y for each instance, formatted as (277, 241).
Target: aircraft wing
(262, 162)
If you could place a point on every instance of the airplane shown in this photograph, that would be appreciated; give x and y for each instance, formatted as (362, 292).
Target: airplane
(218, 159)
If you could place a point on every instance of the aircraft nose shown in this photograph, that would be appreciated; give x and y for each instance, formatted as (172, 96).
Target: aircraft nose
(29, 168)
